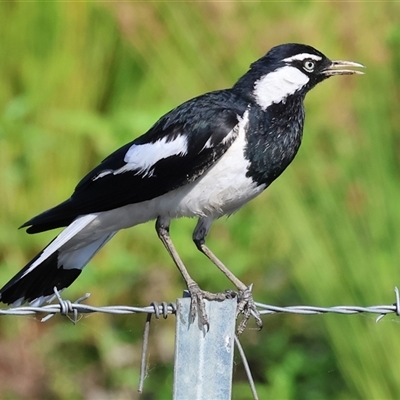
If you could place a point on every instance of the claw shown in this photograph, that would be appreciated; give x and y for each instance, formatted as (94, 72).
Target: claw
(197, 306)
(247, 307)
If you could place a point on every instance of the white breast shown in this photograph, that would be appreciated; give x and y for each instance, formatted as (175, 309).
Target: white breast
(223, 189)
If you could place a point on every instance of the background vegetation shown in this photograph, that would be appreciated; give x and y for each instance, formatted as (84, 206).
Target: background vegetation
(79, 79)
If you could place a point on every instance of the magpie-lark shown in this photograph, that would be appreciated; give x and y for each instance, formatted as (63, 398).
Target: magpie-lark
(206, 158)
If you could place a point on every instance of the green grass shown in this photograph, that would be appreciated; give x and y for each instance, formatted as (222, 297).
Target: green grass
(77, 80)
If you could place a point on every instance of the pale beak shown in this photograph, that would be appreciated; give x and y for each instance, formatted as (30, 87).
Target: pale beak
(338, 67)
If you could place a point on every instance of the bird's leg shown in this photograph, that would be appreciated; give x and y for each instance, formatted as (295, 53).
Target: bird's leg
(246, 305)
(197, 295)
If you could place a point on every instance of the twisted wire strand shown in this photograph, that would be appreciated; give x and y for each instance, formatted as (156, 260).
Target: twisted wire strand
(73, 310)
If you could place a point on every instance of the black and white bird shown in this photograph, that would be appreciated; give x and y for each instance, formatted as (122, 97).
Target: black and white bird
(206, 158)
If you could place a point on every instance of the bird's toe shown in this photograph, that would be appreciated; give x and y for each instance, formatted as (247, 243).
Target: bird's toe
(247, 307)
(197, 303)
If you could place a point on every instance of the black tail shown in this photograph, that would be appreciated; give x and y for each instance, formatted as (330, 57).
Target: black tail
(38, 283)
(57, 217)
(57, 265)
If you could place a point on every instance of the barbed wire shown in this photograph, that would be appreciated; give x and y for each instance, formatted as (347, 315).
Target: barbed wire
(74, 310)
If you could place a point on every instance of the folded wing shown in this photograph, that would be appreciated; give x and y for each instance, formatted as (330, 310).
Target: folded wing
(177, 150)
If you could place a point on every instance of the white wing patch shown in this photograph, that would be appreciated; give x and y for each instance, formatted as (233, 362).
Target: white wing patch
(276, 86)
(302, 56)
(142, 157)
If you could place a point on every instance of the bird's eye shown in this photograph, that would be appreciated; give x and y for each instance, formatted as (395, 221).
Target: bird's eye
(309, 65)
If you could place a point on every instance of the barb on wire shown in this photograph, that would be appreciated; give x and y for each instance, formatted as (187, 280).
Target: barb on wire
(73, 309)
(66, 308)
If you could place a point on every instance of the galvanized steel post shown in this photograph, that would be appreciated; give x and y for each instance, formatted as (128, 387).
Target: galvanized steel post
(204, 359)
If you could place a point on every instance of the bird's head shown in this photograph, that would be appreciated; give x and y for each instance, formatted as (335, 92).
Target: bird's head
(287, 70)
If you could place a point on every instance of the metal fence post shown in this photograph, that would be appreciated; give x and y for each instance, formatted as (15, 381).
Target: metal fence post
(204, 360)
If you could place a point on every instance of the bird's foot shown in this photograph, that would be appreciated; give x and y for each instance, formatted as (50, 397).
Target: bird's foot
(197, 306)
(247, 307)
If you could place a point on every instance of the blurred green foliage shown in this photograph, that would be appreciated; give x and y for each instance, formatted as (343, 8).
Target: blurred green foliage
(79, 79)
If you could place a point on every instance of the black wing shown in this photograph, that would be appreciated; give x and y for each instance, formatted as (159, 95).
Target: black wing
(207, 124)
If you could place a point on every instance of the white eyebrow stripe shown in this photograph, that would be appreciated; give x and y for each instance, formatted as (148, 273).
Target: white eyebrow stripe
(303, 56)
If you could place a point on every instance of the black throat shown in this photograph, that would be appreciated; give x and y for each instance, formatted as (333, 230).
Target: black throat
(273, 138)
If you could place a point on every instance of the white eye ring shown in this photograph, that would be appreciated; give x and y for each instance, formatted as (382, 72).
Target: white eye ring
(309, 65)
